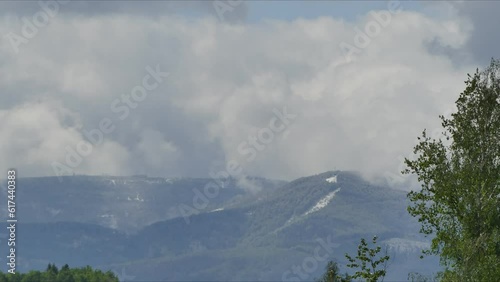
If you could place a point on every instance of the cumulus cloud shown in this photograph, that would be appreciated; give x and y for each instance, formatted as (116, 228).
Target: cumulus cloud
(37, 134)
(361, 114)
(158, 154)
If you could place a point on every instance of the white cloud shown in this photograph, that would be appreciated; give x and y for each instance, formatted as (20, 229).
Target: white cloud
(158, 154)
(225, 80)
(36, 134)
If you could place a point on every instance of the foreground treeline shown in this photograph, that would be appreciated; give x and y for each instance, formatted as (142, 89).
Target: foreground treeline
(65, 274)
(458, 203)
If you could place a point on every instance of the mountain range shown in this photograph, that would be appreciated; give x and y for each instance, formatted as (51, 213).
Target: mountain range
(249, 229)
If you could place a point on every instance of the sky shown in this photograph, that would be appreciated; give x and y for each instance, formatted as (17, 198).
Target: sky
(278, 89)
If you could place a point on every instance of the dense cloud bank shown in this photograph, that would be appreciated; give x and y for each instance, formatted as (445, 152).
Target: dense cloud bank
(88, 93)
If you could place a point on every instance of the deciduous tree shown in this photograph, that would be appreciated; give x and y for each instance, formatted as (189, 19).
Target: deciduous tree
(459, 201)
(370, 264)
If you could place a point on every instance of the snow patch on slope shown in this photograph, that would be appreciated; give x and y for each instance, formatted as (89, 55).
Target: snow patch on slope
(323, 202)
(216, 210)
(332, 179)
(319, 205)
